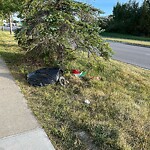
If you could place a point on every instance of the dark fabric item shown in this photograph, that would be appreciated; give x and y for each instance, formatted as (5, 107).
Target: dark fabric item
(44, 76)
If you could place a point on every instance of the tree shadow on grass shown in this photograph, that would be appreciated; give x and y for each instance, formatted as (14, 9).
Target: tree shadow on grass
(14, 62)
(12, 58)
(8, 45)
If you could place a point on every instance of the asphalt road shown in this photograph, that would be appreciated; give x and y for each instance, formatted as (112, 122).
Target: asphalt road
(8, 28)
(136, 55)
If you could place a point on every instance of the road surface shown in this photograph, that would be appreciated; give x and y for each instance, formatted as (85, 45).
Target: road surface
(136, 55)
(8, 28)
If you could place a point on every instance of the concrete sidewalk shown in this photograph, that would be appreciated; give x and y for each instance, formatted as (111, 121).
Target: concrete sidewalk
(19, 130)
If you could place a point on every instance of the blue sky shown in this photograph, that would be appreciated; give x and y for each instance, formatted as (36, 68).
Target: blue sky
(106, 5)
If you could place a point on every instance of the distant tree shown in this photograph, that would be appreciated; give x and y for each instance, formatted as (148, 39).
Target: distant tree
(8, 7)
(104, 21)
(125, 17)
(131, 18)
(145, 18)
(15, 21)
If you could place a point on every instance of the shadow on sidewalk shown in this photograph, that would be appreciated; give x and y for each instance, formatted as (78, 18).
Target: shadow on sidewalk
(5, 75)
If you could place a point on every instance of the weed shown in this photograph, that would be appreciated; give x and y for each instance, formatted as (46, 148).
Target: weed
(117, 117)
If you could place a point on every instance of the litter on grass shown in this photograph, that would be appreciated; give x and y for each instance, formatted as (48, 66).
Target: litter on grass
(77, 73)
(46, 76)
(87, 101)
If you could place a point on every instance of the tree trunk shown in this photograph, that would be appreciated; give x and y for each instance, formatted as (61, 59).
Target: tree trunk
(2, 25)
(3, 28)
(10, 22)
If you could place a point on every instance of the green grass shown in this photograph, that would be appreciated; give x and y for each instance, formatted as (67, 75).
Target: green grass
(117, 117)
(125, 36)
(135, 40)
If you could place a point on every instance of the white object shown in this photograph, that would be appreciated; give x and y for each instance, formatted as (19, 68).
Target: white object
(87, 101)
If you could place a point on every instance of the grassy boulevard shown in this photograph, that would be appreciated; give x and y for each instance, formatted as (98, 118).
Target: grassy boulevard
(129, 39)
(117, 117)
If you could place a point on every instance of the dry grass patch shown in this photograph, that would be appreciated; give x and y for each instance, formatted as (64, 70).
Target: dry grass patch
(117, 117)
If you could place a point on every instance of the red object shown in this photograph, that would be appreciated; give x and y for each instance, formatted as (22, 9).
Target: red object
(75, 71)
